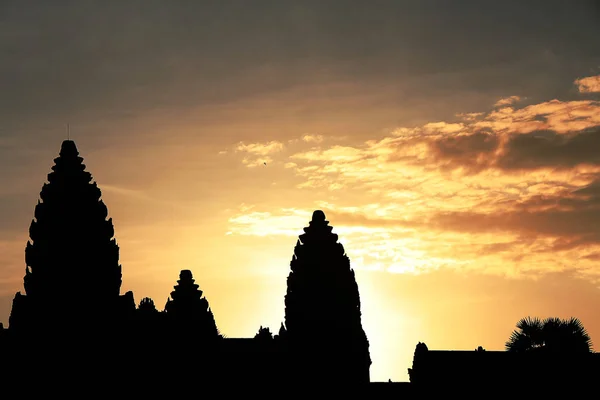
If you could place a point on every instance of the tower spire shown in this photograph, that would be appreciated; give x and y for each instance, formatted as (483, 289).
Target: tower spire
(68, 131)
(322, 308)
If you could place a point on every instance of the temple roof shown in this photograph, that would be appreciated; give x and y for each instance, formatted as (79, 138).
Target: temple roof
(68, 149)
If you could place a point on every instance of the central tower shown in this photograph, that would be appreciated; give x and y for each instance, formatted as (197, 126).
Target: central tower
(322, 309)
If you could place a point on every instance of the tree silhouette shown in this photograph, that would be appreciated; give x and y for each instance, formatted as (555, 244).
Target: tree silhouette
(189, 311)
(322, 306)
(263, 334)
(550, 335)
(147, 306)
(72, 259)
(149, 328)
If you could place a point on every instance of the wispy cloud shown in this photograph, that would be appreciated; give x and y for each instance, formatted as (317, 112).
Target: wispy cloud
(312, 138)
(259, 153)
(590, 84)
(558, 116)
(139, 195)
(261, 149)
(507, 101)
(511, 191)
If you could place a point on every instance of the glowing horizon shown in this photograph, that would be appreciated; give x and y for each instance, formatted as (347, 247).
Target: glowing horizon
(458, 165)
(391, 235)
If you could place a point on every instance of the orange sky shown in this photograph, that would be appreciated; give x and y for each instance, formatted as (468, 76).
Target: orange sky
(459, 165)
(455, 234)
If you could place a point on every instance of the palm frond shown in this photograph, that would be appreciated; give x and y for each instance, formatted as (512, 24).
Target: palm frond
(551, 334)
(574, 327)
(518, 342)
(530, 324)
(527, 336)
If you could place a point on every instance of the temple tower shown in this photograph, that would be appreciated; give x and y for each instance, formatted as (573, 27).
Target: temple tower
(73, 276)
(188, 312)
(322, 309)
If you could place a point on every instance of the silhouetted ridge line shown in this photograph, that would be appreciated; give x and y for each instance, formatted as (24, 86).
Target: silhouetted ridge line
(72, 328)
(454, 369)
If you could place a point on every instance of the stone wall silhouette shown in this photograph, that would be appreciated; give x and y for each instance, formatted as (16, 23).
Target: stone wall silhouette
(501, 369)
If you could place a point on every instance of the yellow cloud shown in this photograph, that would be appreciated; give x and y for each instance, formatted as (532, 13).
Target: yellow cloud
(398, 249)
(258, 153)
(555, 115)
(508, 192)
(469, 116)
(590, 84)
(507, 101)
(287, 223)
(312, 138)
(443, 127)
(334, 153)
(260, 149)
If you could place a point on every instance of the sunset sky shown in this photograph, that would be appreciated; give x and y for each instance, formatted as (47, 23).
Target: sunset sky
(453, 145)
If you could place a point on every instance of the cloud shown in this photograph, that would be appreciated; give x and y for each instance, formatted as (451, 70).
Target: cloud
(287, 223)
(549, 149)
(136, 194)
(261, 149)
(469, 116)
(510, 191)
(555, 115)
(590, 84)
(507, 101)
(390, 244)
(312, 138)
(259, 153)
(139, 195)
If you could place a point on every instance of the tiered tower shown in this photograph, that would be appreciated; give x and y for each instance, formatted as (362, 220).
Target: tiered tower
(189, 312)
(322, 309)
(73, 276)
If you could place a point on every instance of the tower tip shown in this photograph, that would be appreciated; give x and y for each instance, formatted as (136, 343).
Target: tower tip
(318, 216)
(68, 148)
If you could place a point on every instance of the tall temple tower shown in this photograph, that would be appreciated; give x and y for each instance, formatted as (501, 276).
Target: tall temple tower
(73, 275)
(322, 309)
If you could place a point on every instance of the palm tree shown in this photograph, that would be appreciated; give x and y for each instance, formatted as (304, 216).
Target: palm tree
(550, 334)
(566, 336)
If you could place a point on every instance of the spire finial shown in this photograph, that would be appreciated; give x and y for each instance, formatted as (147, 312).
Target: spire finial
(68, 131)
(318, 216)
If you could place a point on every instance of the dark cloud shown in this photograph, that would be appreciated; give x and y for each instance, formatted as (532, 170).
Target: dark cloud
(569, 216)
(69, 56)
(473, 152)
(529, 151)
(543, 149)
(593, 257)
(590, 191)
(575, 218)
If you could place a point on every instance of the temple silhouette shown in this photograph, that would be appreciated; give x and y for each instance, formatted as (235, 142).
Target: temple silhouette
(72, 323)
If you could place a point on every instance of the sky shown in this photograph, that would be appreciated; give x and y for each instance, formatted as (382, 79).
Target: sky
(453, 146)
